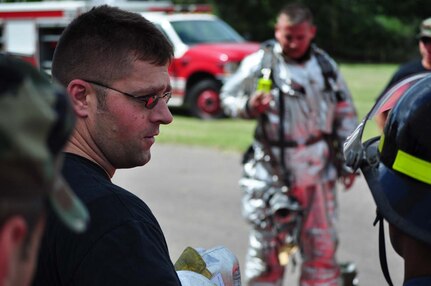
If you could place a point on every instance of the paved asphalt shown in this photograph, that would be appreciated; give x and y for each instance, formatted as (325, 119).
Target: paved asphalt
(195, 196)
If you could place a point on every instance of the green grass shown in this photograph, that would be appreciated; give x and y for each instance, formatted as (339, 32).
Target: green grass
(224, 134)
(365, 81)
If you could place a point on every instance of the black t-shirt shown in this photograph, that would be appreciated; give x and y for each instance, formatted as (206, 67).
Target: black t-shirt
(412, 67)
(124, 244)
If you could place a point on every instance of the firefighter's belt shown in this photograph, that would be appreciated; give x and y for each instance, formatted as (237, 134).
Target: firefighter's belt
(292, 144)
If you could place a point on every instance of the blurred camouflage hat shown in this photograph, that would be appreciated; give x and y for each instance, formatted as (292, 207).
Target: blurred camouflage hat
(425, 29)
(36, 120)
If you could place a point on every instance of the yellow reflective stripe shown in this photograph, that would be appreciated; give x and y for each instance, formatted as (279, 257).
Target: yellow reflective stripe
(382, 141)
(413, 167)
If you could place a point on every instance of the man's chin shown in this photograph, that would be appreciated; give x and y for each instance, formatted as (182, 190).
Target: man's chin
(136, 161)
(295, 56)
(146, 157)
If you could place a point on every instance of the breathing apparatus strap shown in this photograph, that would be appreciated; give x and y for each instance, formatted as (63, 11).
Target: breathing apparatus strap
(382, 248)
(329, 73)
(267, 63)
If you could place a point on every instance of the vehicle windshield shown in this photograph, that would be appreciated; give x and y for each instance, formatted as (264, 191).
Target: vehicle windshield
(206, 31)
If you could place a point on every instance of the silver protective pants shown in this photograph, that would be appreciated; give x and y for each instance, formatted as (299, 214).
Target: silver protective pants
(318, 239)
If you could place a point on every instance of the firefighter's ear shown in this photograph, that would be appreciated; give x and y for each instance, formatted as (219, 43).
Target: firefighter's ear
(312, 31)
(79, 92)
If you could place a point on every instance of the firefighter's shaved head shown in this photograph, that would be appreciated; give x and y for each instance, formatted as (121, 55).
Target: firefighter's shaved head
(295, 13)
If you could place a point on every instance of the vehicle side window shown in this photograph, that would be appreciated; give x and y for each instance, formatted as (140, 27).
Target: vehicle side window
(163, 32)
(203, 31)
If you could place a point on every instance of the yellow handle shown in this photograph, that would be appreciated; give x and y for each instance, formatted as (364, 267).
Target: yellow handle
(264, 85)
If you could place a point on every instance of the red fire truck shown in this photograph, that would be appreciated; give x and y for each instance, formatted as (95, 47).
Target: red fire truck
(207, 50)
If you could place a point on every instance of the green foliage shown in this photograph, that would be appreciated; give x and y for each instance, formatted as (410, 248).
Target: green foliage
(393, 25)
(352, 30)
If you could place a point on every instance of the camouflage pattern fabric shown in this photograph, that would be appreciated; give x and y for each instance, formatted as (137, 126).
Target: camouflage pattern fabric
(36, 119)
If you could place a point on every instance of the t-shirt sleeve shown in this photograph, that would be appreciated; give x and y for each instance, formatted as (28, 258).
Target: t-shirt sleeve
(405, 70)
(134, 253)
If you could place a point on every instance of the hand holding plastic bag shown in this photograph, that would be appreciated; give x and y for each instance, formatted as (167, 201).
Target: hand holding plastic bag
(217, 266)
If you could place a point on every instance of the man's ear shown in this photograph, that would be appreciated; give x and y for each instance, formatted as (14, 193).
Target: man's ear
(12, 236)
(313, 31)
(78, 91)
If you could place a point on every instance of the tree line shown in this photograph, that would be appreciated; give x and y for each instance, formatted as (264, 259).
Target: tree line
(351, 30)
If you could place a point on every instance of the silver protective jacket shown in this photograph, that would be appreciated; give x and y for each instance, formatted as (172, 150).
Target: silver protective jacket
(310, 110)
(296, 139)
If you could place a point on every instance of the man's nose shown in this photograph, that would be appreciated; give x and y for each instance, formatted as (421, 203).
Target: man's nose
(161, 113)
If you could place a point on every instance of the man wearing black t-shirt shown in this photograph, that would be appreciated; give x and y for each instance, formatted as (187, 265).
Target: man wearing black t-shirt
(419, 65)
(114, 65)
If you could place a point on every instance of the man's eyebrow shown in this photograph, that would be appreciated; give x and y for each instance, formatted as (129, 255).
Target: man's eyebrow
(151, 90)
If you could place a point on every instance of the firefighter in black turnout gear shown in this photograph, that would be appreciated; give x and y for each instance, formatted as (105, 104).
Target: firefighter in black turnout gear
(397, 168)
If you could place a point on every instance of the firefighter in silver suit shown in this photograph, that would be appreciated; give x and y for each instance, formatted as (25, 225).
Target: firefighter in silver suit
(305, 112)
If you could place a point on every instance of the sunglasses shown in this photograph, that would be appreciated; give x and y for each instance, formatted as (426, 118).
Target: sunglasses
(149, 100)
(425, 40)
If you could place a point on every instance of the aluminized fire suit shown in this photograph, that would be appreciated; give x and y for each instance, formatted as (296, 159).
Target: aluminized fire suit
(300, 128)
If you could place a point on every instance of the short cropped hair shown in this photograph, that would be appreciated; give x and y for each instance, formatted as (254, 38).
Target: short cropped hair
(105, 41)
(297, 13)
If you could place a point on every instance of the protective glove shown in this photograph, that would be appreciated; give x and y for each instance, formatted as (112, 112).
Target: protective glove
(348, 180)
(217, 266)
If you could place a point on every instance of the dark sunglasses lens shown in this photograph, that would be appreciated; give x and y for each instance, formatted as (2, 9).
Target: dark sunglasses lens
(426, 40)
(151, 102)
